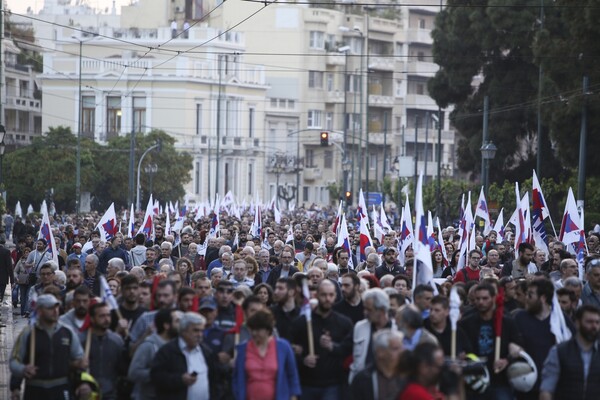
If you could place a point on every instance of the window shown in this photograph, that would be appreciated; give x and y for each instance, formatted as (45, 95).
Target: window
(328, 159)
(88, 115)
(421, 56)
(113, 115)
(329, 82)
(198, 119)
(315, 79)
(139, 113)
(329, 121)
(317, 40)
(250, 178)
(421, 23)
(197, 178)
(372, 161)
(305, 193)
(420, 88)
(314, 119)
(251, 116)
(354, 83)
(291, 104)
(398, 88)
(273, 102)
(356, 45)
(309, 158)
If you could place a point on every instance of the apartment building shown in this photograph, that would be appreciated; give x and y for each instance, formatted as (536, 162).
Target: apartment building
(136, 80)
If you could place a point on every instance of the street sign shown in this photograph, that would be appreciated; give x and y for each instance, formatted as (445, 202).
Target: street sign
(374, 198)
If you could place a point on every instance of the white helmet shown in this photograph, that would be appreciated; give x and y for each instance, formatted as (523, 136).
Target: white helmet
(522, 374)
(478, 378)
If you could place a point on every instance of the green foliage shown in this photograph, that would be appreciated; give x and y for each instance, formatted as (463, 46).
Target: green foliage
(50, 162)
(335, 192)
(495, 40)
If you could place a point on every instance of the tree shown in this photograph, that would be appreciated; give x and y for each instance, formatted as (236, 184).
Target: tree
(493, 38)
(568, 48)
(49, 165)
(113, 165)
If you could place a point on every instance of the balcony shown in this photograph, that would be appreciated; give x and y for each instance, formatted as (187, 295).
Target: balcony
(385, 63)
(420, 102)
(419, 36)
(336, 96)
(381, 101)
(422, 68)
(335, 59)
(23, 103)
(311, 174)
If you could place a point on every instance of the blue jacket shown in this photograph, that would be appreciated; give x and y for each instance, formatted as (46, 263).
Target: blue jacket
(288, 382)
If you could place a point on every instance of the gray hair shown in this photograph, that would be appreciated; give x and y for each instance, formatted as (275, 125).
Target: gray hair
(381, 339)
(92, 257)
(374, 257)
(117, 262)
(60, 277)
(386, 280)
(381, 301)
(409, 316)
(217, 270)
(263, 252)
(190, 318)
(223, 249)
(319, 262)
(573, 281)
(249, 249)
(165, 261)
(166, 245)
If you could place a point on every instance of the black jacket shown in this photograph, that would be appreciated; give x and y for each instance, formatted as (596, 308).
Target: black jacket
(276, 273)
(6, 267)
(169, 365)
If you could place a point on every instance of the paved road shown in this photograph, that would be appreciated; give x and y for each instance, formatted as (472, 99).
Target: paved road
(14, 325)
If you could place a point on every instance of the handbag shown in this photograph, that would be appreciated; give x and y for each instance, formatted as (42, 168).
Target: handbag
(22, 278)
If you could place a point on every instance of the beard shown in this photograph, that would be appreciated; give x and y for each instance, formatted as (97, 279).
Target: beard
(588, 334)
(534, 308)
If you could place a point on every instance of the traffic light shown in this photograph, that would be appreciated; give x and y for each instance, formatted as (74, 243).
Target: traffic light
(324, 139)
(348, 195)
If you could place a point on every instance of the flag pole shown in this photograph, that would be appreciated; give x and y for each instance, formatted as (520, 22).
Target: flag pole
(88, 344)
(311, 340)
(32, 346)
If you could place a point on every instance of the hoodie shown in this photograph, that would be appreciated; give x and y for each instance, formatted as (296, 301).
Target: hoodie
(138, 255)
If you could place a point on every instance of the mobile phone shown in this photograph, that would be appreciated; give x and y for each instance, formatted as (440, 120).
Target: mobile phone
(194, 374)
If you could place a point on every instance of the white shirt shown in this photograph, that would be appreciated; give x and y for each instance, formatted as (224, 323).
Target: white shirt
(196, 363)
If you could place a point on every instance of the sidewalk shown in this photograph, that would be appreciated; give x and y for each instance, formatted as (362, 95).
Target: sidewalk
(8, 335)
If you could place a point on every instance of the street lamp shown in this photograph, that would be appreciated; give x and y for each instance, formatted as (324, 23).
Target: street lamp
(79, 113)
(149, 149)
(151, 170)
(488, 152)
(2, 149)
(346, 167)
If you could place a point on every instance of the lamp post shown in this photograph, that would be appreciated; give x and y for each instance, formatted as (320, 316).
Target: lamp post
(149, 149)
(151, 170)
(346, 167)
(488, 152)
(2, 149)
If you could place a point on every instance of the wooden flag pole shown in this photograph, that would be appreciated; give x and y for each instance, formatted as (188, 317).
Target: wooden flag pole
(88, 344)
(453, 345)
(311, 339)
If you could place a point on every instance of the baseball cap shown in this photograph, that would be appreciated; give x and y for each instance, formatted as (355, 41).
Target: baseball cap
(46, 301)
(76, 245)
(208, 303)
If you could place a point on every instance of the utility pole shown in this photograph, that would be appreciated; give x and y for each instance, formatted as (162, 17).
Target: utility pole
(78, 156)
(427, 121)
(484, 139)
(416, 150)
(538, 164)
(582, 146)
(218, 156)
(385, 130)
(438, 187)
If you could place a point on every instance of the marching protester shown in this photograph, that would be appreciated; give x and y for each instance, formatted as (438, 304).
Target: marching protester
(219, 309)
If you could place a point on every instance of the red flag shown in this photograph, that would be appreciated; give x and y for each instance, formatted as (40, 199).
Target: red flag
(87, 322)
(157, 279)
(196, 304)
(499, 312)
(239, 320)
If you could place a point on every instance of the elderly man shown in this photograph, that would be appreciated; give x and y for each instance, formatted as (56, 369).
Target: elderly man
(284, 270)
(91, 276)
(376, 307)
(264, 268)
(114, 266)
(238, 275)
(591, 290)
(371, 263)
(224, 261)
(185, 368)
(386, 347)
(166, 248)
(112, 251)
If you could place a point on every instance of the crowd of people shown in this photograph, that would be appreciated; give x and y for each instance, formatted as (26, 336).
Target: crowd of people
(200, 316)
